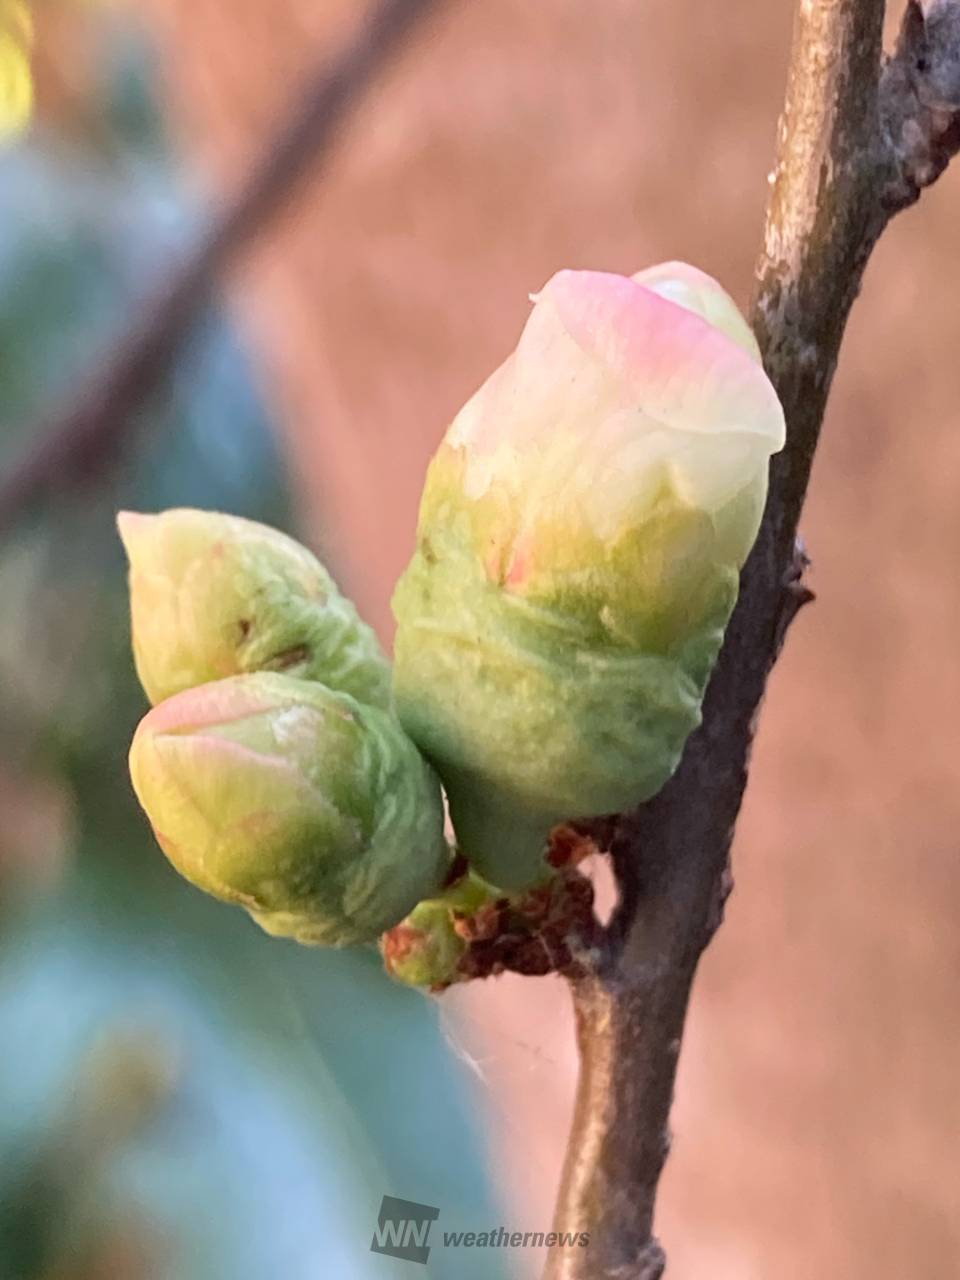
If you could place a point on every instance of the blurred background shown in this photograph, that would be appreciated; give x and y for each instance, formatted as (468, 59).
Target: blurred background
(181, 1097)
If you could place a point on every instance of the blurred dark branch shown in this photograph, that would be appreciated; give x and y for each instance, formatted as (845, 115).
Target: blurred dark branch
(83, 434)
(859, 139)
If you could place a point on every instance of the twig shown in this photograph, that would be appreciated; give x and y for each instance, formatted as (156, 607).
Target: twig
(83, 434)
(859, 140)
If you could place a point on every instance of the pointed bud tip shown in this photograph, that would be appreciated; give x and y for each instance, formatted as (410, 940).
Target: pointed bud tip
(133, 528)
(696, 291)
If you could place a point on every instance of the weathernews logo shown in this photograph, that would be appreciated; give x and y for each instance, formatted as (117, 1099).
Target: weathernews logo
(403, 1231)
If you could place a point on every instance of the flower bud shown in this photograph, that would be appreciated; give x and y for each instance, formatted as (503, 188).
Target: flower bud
(578, 553)
(214, 596)
(314, 812)
(426, 948)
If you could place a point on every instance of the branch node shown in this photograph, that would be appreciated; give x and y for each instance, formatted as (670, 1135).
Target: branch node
(920, 101)
(652, 1262)
(795, 593)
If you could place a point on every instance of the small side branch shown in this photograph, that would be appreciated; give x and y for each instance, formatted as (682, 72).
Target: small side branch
(84, 433)
(920, 101)
(859, 139)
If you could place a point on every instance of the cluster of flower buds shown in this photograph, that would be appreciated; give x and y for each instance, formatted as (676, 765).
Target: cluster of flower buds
(289, 788)
(581, 535)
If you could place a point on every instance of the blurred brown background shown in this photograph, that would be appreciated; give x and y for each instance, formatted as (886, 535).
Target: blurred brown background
(818, 1117)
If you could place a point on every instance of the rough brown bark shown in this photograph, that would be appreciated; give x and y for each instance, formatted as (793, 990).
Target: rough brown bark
(858, 141)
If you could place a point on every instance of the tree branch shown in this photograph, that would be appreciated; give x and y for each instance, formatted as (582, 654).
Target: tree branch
(84, 432)
(859, 139)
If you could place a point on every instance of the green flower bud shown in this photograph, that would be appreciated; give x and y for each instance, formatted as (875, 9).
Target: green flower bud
(425, 949)
(578, 553)
(214, 596)
(314, 812)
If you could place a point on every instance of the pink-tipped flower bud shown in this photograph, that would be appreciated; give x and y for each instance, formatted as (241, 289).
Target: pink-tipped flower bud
(314, 812)
(578, 552)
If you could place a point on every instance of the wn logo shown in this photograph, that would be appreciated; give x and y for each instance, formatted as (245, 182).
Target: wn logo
(403, 1229)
